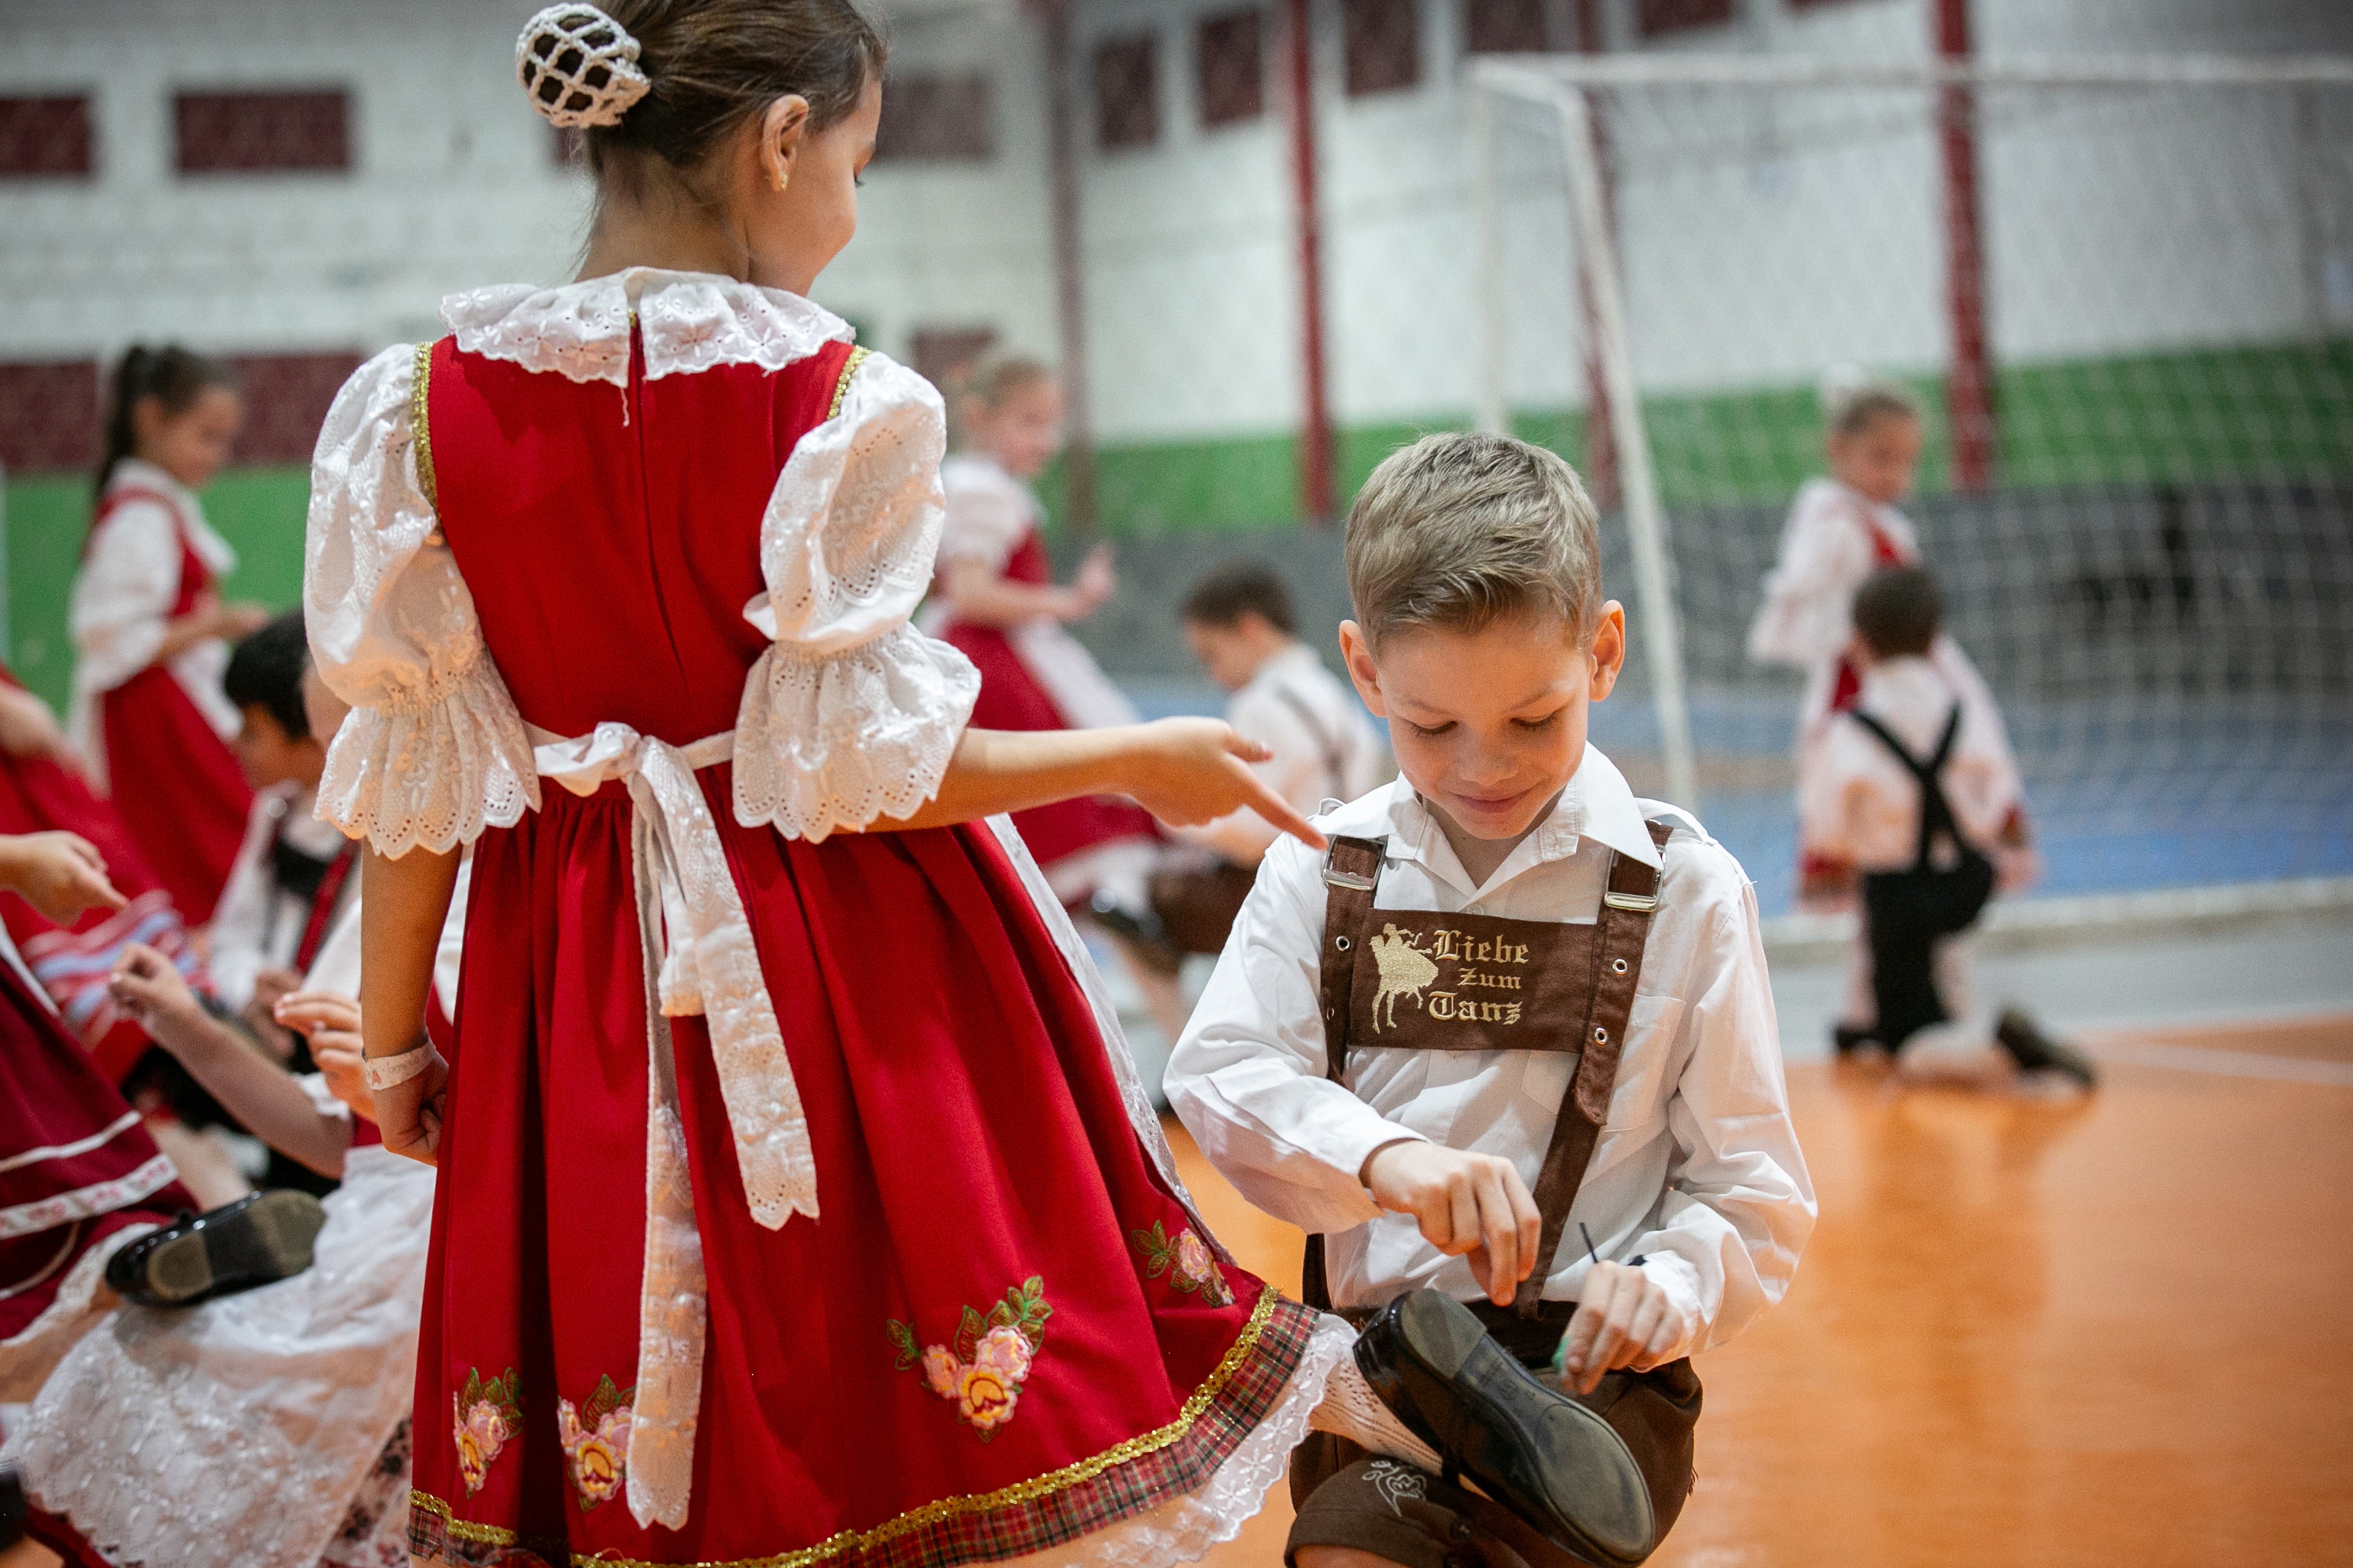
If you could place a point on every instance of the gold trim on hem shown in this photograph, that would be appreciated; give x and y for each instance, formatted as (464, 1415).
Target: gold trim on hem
(841, 388)
(1030, 1490)
(421, 382)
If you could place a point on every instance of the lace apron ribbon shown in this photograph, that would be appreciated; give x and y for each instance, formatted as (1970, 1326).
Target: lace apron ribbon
(698, 961)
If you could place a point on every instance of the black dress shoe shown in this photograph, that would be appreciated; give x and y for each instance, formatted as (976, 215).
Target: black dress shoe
(1530, 1447)
(12, 1507)
(2036, 1051)
(257, 1240)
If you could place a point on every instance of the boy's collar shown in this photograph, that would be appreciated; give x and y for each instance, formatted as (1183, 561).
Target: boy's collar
(1595, 804)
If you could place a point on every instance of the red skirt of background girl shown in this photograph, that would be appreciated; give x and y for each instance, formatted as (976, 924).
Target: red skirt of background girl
(72, 962)
(173, 778)
(1003, 1332)
(77, 1166)
(1011, 699)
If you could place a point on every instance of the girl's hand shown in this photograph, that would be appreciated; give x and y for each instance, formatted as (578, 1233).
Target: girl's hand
(60, 874)
(1624, 1318)
(409, 1114)
(1186, 771)
(147, 985)
(331, 1022)
(1095, 583)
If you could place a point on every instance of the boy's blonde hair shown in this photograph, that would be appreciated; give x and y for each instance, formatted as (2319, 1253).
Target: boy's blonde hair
(1458, 530)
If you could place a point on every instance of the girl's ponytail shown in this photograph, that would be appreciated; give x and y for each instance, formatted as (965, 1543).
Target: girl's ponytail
(172, 376)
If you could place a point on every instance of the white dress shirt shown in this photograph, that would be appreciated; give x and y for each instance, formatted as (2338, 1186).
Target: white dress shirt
(259, 922)
(1860, 804)
(1697, 1168)
(1324, 748)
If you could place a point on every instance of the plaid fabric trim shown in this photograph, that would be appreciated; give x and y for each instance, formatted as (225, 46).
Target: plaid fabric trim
(1045, 1511)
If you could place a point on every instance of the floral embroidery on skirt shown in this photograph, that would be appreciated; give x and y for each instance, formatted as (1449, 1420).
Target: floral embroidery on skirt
(983, 1371)
(595, 1438)
(1186, 1261)
(487, 1416)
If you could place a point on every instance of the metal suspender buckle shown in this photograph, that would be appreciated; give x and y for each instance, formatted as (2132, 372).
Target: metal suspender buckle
(1633, 903)
(1335, 878)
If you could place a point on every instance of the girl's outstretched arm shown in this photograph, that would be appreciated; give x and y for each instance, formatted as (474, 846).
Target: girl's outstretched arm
(1184, 772)
(402, 905)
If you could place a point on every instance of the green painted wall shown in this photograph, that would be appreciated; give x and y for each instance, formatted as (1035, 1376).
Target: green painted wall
(2283, 412)
(258, 511)
(2273, 413)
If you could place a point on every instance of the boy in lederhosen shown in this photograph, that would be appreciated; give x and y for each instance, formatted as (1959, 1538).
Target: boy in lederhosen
(1507, 1052)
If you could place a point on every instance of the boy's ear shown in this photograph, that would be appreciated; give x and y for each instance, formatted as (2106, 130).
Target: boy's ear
(1356, 652)
(1609, 651)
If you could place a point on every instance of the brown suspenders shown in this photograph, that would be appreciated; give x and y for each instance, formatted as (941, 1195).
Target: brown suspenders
(1465, 981)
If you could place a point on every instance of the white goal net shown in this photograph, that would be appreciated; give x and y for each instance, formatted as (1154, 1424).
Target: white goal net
(2124, 294)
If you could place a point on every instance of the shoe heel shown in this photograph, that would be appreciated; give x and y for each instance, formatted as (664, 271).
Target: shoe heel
(1440, 1331)
(179, 1270)
(283, 1233)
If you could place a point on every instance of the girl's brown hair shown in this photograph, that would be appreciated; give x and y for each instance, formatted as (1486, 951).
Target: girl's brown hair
(714, 64)
(172, 376)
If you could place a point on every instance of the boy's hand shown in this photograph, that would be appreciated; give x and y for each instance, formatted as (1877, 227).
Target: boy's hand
(146, 985)
(1187, 772)
(60, 874)
(1624, 1318)
(1469, 1205)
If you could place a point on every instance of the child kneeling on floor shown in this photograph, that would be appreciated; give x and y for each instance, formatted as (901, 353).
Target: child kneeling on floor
(1914, 785)
(1507, 1052)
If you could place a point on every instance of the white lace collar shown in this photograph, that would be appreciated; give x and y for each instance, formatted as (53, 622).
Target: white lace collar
(689, 321)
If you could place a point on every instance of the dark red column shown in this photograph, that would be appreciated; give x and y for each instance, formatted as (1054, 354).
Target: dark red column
(1968, 386)
(1315, 413)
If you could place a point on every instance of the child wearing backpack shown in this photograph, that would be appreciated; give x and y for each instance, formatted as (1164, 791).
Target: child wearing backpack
(1508, 1051)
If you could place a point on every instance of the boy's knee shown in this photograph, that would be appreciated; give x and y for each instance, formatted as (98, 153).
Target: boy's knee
(1383, 1513)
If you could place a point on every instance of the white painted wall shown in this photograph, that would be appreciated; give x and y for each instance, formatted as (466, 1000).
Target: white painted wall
(1794, 241)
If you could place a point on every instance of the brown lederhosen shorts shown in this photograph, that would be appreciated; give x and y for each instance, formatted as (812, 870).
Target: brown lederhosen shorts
(1346, 1497)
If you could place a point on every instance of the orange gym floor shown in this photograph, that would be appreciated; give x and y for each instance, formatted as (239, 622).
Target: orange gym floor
(2117, 1331)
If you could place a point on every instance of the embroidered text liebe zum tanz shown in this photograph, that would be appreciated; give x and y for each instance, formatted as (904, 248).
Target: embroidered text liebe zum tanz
(1408, 971)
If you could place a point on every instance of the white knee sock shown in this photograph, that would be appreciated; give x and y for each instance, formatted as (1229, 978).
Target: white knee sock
(1352, 1410)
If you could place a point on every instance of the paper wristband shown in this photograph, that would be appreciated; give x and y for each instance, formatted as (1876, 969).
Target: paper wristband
(388, 1072)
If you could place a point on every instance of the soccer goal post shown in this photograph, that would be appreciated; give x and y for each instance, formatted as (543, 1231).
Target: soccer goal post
(2121, 290)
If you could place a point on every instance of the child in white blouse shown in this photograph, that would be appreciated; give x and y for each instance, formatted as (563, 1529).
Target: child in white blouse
(1481, 637)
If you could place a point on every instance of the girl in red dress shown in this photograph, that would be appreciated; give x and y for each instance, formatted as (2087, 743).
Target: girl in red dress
(79, 1176)
(798, 1199)
(998, 605)
(44, 788)
(150, 633)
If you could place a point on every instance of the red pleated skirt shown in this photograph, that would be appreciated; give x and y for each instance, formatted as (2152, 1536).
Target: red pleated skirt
(178, 786)
(1002, 1333)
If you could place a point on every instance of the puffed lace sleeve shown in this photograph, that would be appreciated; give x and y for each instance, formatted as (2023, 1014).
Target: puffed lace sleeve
(852, 713)
(434, 751)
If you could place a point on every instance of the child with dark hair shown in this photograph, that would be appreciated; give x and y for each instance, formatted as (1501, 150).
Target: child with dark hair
(151, 631)
(1240, 625)
(292, 871)
(1913, 789)
(798, 1200)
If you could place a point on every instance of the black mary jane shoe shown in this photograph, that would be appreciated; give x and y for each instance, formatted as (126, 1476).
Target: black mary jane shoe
(1552, 1462)
(257, 1240)
(12, 1507)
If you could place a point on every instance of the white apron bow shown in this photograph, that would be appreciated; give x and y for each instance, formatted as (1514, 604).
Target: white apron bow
(699, 959)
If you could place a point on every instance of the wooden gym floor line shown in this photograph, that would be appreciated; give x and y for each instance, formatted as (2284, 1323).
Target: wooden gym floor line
(2114, 1331)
